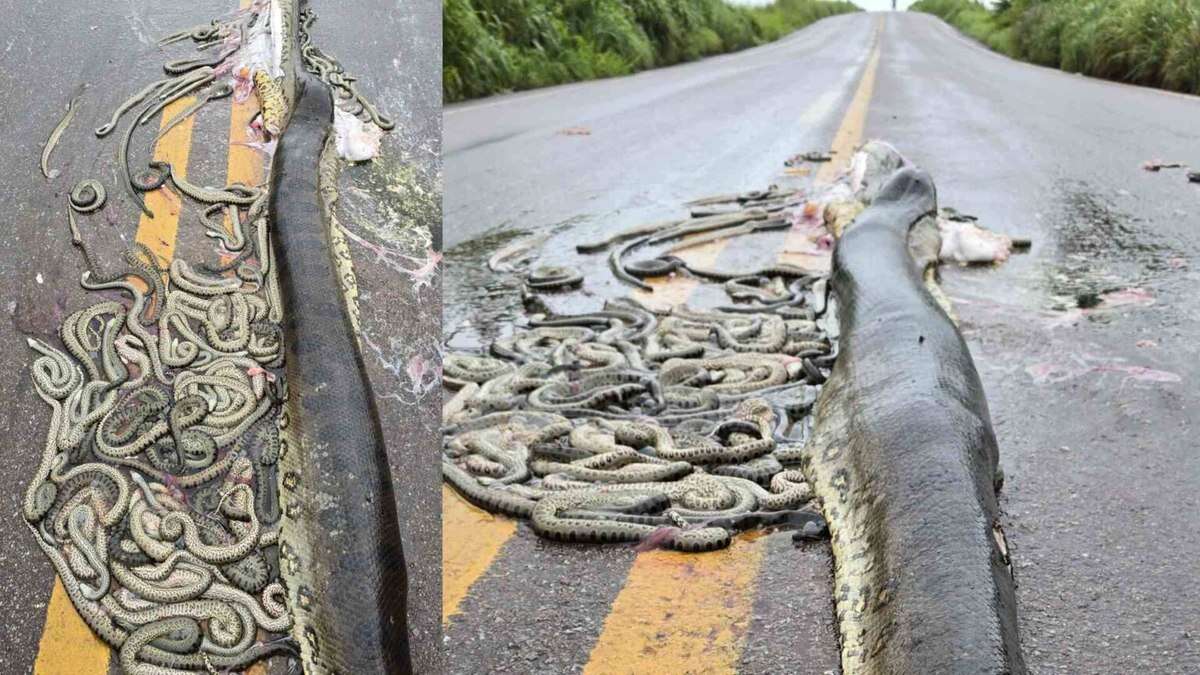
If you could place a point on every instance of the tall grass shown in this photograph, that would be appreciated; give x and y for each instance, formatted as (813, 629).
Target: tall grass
(492, 46)
(1149, 42)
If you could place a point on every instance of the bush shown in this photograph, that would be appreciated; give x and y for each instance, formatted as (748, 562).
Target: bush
(1149, 42)
(492, 46)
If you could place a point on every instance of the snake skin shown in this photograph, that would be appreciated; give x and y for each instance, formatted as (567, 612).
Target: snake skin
(658, 427)
(909, 489)
(157, 496)
(340, 551)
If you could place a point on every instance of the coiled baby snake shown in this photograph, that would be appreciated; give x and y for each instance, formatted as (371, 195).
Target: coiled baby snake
(156, 494)
(617, 456)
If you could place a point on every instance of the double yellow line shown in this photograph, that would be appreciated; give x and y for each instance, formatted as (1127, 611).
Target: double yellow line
(664, 619)
(676, 613)
(68, 646)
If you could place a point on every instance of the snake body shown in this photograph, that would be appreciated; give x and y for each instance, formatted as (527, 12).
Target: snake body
(921, 588)
(271, 101)
(553, 278)
(56, 134)
(655, 267)
(87, 196)
(329, 71)
(346, 591)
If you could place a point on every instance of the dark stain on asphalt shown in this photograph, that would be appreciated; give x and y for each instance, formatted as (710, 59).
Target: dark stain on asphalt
(1100, 246)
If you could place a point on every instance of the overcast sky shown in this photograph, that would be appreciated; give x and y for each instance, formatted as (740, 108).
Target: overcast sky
(865, 4)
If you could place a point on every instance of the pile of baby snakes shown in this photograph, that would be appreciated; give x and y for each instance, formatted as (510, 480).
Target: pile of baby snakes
(155, 497)
(673, 429)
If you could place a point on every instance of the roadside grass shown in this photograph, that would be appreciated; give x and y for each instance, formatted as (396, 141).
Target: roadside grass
(493, 46)
(1149, 42)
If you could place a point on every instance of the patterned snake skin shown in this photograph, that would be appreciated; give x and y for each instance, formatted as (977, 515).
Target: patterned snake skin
(340, 552)
(668, 428)
(191, 508)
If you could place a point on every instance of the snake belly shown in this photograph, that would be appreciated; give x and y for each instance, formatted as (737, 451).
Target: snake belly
(904, 459)
(340, 552)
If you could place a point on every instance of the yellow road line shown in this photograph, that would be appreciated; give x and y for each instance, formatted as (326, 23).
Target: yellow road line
(798, 248)
(158, 233)
(245, 164)
(68, 646)
(674, 290)
(850, 132)
(681, 613)
(471, 540)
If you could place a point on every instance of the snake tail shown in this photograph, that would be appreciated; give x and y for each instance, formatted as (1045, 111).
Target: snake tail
(905, 462)
(340, 550)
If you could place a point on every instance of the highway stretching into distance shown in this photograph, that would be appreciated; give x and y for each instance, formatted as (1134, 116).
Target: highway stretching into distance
(1093, 409)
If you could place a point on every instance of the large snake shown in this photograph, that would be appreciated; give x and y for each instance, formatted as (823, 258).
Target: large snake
(157, 496)
(340, 548)
(905, 463)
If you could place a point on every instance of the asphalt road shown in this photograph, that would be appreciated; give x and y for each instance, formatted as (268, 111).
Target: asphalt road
(1093, 410)
(46, 51)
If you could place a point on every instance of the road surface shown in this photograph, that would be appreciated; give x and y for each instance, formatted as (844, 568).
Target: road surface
(46, 51)
(1093, 409)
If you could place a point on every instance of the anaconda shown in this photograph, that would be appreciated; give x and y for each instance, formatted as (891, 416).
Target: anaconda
(340, 549)
(905, 463)
(157, 493)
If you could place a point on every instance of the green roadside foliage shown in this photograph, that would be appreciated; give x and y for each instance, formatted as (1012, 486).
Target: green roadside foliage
(1149, 42)
(493, 46)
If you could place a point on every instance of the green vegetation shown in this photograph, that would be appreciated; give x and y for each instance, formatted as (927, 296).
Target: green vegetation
(1149, 42)
(491, 46)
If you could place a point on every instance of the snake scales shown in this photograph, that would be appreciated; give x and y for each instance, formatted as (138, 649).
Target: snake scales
(906, 466)
(336, 480)
(672, 429)
(165, 482)
(608, 426)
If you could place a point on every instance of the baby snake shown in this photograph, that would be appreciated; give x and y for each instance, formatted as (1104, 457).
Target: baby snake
(156, 493)
(56, 134)
(330, 72)
(658, 427)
